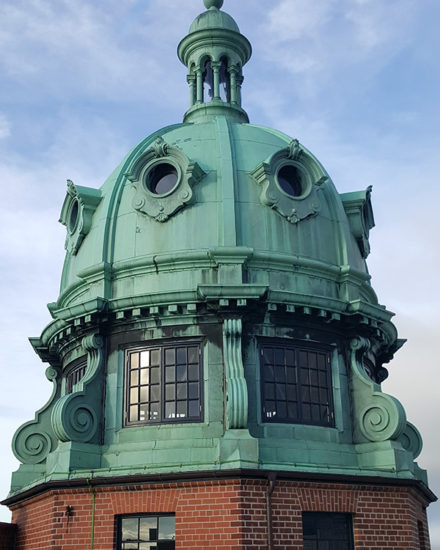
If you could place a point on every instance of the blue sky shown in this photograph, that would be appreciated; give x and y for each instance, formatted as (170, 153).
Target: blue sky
(356, 81)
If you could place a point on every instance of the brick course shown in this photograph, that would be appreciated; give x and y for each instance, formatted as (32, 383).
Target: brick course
(228, 514)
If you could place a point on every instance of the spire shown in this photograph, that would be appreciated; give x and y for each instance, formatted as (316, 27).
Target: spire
(214, 52)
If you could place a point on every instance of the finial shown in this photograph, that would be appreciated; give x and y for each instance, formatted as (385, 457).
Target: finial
(213, 3)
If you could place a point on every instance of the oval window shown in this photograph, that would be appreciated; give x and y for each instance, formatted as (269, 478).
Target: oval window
(162, 179)
(291, 181)
(73, 218)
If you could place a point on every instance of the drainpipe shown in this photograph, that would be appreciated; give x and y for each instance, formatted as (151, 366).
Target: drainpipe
(272, 476)
(92, 533)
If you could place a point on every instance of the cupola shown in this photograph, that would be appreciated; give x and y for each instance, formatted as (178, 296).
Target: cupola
(215, 52)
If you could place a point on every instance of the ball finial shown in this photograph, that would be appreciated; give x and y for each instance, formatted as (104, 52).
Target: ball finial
(213, 3)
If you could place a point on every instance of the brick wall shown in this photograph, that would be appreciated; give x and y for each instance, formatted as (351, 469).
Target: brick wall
(7, 536)
(223, 514)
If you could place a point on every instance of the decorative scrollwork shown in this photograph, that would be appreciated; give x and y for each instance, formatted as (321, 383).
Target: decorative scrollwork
(381, 420)
(377, 416)
(35, 439)
(76, 416)
(411, 440)
(236, 387)
(30, 446)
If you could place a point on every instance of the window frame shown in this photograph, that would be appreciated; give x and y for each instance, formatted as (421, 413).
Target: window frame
(162, 346)
(118, 527)
(296, 346)
(331, 516)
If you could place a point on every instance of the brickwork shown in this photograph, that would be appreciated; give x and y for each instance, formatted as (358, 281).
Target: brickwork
(223, 514)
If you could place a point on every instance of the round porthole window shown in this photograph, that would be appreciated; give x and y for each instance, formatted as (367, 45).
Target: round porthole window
(291, 180)
(162, 179)
(73, 217)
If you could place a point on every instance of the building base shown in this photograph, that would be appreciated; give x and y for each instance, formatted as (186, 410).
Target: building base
(218, 511)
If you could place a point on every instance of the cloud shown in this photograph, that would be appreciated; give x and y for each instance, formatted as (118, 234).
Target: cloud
(5, 127)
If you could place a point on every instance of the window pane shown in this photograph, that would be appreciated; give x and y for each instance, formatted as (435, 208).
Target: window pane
(148, 529)
(170, 392)
(145, 376)
(193, 391)
(181, 356)
(134, 395)
(129, 528)
(193, 355)
(154, 411)
(170, 357)
(193, 372)
(182, 391)
(170, 409)
(181, 373)
(144, 394)
(170, 374)
(145, 358)
(155, 375)
(194, 409)
(181, 409)
(167, 527)
(134, 360)
(134, 411)
(134, 378)
(154, 393)
(155, 357)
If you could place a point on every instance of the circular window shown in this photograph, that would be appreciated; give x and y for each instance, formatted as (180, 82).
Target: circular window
(73, 218)
(162, 179)
(291, 180)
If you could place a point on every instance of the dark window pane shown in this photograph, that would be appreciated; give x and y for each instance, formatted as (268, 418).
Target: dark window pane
(269, 373)
(281, 409)
(280, 374)
(332, 531)
(193, 372)
(193, 391)
(193, 355)
(292, 410)
(155, 357)
(170, 409)
(193, 408)
(281, 392)
(269, 391)
(170, 374)
(268, 356)
(181, 356)
(154, 393)
(170, 392)
(181, 409)
(154, 411)
(182, 391)
(155, 375)
(304, 376)
(170, 357)
(143, 413)
(291, 375)
(181, 373)
(314, 378)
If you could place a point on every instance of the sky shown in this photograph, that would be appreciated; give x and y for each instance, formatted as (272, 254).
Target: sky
(356, 81)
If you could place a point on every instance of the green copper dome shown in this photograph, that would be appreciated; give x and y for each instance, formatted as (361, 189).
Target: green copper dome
(214, 18)
(216, 310)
